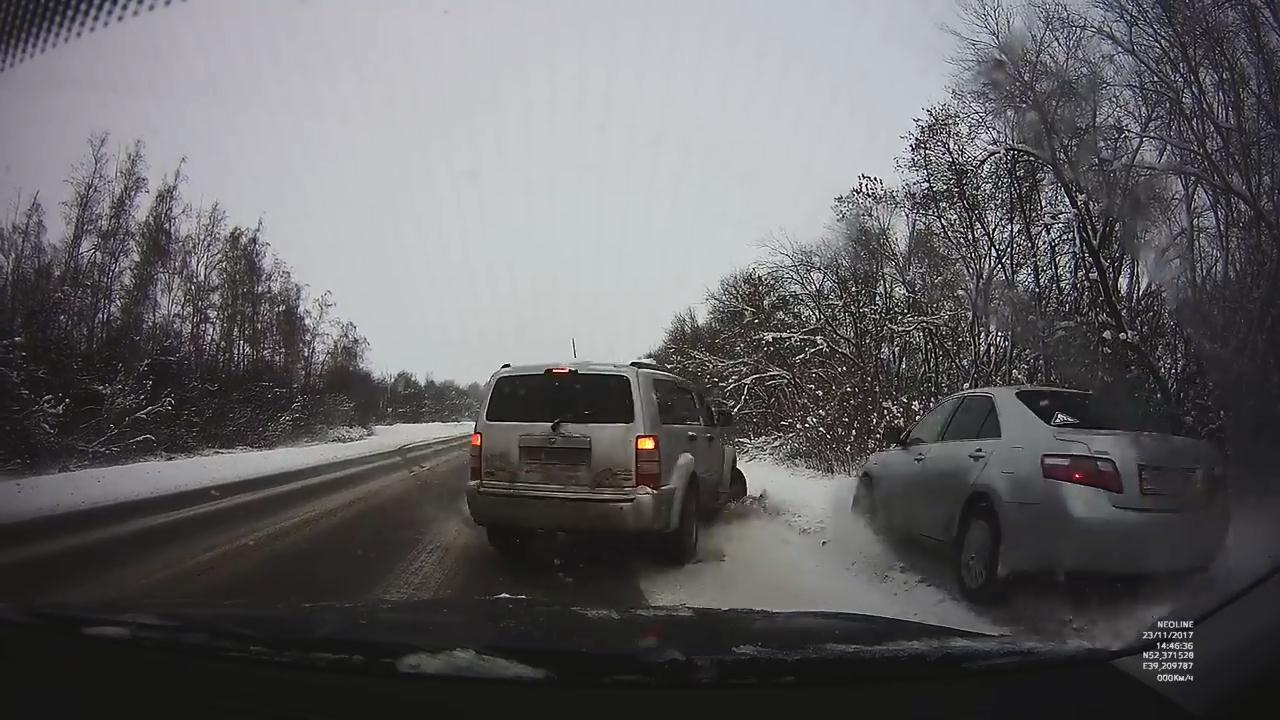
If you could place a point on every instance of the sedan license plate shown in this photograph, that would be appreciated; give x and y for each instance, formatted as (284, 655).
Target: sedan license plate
(1166, 481)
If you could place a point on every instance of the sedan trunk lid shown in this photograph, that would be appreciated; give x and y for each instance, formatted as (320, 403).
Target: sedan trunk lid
(1159, 472)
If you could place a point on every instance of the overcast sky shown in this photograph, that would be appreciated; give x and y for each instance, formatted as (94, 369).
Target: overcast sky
(477, 182)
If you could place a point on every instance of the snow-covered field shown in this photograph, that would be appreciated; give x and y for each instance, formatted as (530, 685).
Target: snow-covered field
(42, 495)
(793, 544)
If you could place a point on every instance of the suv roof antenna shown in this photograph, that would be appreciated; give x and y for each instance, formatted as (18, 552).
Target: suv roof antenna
(573, 342)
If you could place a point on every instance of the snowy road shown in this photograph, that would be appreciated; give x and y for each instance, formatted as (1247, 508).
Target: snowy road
(405, 534)
(41, 496)
(402, 534)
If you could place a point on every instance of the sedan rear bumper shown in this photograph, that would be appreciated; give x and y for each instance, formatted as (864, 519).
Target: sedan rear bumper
(1094, 537)
(570, 512)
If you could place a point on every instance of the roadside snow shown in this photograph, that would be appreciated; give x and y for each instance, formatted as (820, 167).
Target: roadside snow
(794, 545)
(803, 499)
(1112, 615)
(348, 433)
(43, 495)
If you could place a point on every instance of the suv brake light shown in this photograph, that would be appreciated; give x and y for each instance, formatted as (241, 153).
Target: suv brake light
(1095, 472)
(648, 462)
(477, 441)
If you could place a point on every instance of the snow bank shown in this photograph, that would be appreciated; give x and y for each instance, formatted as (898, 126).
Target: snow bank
(804, 499)
(794, 545)
(1112, 615)
(52, 494)
(347, 433)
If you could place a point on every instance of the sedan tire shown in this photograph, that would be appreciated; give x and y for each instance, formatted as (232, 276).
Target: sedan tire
(978, 556)
(864, 499)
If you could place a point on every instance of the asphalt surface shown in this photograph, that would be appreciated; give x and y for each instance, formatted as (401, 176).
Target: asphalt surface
(400, 535)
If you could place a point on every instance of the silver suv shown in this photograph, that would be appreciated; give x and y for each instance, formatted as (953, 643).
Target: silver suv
(585, 447)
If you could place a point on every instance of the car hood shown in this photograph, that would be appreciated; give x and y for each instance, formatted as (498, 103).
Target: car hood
(513, 638)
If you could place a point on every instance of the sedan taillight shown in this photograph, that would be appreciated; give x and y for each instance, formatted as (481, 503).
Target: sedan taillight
(1095, 472)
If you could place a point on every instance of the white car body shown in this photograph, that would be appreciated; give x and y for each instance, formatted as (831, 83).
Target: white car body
(1169, 515)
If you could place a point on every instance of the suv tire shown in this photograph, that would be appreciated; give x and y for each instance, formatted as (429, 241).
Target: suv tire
(737, 491)
(737, 485)
(681, 544)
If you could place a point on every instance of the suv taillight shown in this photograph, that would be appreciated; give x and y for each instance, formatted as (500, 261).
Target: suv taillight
(477, 441)
(648, 461)
(1095, 472)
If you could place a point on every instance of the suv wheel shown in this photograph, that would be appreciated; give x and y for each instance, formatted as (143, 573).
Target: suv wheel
(737, 491)
(682, 543)
(737, 485)
(978, 556)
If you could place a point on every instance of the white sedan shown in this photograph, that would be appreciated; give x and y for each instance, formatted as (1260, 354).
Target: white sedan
(1046, 480)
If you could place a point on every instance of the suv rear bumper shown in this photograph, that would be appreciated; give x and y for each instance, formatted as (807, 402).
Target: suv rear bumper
(570, 512)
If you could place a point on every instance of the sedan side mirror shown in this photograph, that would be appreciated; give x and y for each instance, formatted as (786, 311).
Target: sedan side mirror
(724, 418)
(892, 436)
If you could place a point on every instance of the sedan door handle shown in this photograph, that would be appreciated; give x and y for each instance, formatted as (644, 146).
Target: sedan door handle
(709, 437)
(919, 458)
(977, 454)
(693, 436)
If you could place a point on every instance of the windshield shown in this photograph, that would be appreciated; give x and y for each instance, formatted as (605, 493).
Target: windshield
(642, 305)
(572, 398)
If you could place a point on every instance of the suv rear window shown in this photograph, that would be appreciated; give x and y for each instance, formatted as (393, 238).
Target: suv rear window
(571, 398)
(1081, 410)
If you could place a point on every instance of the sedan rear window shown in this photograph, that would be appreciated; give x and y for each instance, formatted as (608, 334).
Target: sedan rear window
(571, 398)
(1081, 410)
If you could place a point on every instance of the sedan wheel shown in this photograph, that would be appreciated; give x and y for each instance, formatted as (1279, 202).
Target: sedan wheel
(978, 557)
(864, 499)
